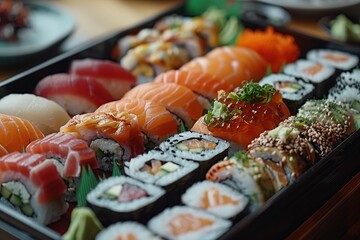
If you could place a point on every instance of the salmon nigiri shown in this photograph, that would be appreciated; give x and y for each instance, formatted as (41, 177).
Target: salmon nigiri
(16, 133)
(233, 72)
(256, 64)
(176, 98)
(204, 84)
(155, 121)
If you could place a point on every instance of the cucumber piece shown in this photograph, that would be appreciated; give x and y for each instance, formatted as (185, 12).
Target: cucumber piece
(112, 193)
(169, 167)
(197, 150)
(27, 209)
(6, 193)
(182, 146)
(15, 200)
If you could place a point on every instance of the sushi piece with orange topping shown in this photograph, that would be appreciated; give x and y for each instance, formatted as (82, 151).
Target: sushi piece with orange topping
(114, 137)
(335, 58)
(241, 116)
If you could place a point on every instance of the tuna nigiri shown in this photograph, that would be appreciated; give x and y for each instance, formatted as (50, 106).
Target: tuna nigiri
(256, 64)
(233, 72)
(45, 114)
(110, 75)
(31, 184)
(204, 84)
(177, 99)
(16, 133)
(155, 121)
(112, 136)
(76, 94)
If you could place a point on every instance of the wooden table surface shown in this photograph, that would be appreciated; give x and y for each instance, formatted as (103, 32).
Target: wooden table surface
(97, 18)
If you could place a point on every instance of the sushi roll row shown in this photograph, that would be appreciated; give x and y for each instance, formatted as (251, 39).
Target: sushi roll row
(279, 156)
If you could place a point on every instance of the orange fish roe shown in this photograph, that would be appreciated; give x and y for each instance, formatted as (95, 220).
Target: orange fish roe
(278, 49)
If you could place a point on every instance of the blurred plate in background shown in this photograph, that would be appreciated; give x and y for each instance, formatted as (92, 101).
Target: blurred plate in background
(48, 28)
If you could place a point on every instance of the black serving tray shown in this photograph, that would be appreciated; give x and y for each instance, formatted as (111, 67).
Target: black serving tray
(280, 215)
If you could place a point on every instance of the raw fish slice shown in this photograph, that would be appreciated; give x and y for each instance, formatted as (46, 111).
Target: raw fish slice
(233, 72)
(256, 64)
(16, 133)
(177, 99)
(200, 82)
(110, 75)
(39, 173)
(73, 152)
(76, 94)
(153, 118)
(45, 114)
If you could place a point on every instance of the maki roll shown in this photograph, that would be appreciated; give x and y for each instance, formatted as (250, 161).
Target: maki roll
(69, 154)
(347, 87)
(202, 148)
(31, 185)
(293, 91)
(150, 59)
(334, 58)
(246, 175)
(122, 198)
(318, 74)
(114, 137)
(181, 222)
(126, 230)
(162, 169)
(216, 198)
(285, 147)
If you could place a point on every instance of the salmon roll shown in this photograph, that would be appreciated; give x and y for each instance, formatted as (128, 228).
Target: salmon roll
(155, 121)
(114, 137)
(204, 85)
(338, 59)
(176, 98)
(181, 222)
(16, 133)
(126, 230)
(216, 198)
(246, 56)
(31, 185)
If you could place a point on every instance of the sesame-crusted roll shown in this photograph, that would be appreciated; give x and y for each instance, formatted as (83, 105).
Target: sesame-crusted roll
(284, 147)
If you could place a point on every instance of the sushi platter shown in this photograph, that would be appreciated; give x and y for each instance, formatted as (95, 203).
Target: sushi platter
(182, 151)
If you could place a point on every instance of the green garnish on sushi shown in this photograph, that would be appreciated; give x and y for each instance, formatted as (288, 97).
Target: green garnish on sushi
(253, 92)
(219, 113)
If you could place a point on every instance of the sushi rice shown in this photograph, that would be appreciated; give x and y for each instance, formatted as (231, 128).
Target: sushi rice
(172, 219)
(136, 164)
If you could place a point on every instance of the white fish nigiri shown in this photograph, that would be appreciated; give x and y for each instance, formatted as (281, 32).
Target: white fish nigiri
(45, 114)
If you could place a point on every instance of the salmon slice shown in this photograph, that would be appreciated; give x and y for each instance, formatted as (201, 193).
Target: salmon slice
(256, 64)
(16, 133)
(186, 223)
(336, 57)
(204, 84)
(73, 152)
(213, 197)
(153, 118)
(316, 68)
(176, 98)
(233, 72)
